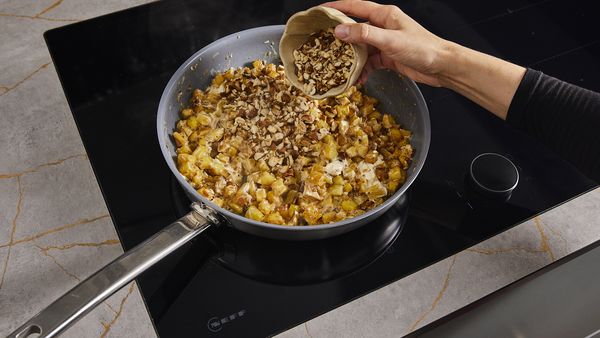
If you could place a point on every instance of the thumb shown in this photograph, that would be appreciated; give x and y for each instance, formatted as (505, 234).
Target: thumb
(364, 33)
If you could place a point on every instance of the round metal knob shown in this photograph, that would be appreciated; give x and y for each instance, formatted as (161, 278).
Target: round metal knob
(491, 177)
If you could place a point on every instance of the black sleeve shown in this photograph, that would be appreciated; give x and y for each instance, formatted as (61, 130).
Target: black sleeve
(566, 118)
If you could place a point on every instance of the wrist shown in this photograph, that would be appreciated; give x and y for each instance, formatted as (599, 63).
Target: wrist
(451, 63)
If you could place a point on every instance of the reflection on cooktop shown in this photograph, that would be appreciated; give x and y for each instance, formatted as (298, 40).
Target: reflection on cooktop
(269, 260)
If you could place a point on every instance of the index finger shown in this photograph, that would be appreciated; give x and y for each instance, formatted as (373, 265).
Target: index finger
(379, 15)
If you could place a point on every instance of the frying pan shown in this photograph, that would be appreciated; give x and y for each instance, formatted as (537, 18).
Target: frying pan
(397, 96)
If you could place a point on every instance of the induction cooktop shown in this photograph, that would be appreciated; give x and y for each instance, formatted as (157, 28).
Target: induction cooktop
(225, 283)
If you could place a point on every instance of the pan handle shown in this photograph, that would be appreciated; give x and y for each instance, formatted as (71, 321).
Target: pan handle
(81, 299)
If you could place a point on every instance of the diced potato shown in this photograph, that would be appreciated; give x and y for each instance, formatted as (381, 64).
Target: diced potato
(197, 179)
(387, 121)
(192, 122)
(376, 190)
(219, 78)
(395, 173)
(218, 201)
(263, 166)
(257, 64)
(183, 158)
(342, 111)
(375, 115)
(351, 151)
(275, 218)
(311, 214)
(254, 213)
(330, 150)
(201, 150)
(278, 187)
(395, 134)
(393, 185)
(328, 217)
(291, 196)
(349, 205)
(265, 207)
(275, 199)
(261, 194)
(266, 178)
(249, 166)
(238, 209)
(228, 74)
(207, 192)
(336, 190)
(371, 157)
(229, 190)
(362, 150)
(215, 135)
(203, 119)
(180, 140)
(223, 158)
(187, 113)
(185, 149)
(338, 180)
(292, 209)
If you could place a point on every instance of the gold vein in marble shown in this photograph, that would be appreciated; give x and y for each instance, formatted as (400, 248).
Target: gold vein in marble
(84, 244)
(502, 250)
(6, 89)
(60, 266)
(49, 8)
(12, 231)
(437, 299)
(306, 329)
(108, 326)
(21, 16)
(555, 232)
(54, 230)
(544, 244)
(39, 16)
(41, 166)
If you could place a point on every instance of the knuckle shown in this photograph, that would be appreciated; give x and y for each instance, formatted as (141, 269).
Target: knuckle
(393, 15)
(363, 31)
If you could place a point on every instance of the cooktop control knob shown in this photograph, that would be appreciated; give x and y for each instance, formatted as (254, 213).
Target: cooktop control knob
(491, 177)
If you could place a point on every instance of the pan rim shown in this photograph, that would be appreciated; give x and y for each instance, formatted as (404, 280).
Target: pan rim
(163, 108)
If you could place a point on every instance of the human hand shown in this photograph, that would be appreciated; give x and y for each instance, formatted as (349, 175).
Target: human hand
(395, 41)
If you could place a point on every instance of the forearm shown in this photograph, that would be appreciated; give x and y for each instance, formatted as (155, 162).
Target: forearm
(486, 80)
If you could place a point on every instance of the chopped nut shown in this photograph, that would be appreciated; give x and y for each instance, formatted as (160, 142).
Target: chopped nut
(323, 62)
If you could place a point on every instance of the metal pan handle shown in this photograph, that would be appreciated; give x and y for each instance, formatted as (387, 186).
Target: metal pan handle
(66, 310)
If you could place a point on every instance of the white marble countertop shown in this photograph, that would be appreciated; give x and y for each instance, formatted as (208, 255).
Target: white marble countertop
(55, 229)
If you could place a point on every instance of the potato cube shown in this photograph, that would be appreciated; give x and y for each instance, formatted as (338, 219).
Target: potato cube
(336, 190)
(261, 194)
(266, 178)
(275, 218)
(278, 187)
(328, 217)
(349, 205)
(254, 213)
(311, 214)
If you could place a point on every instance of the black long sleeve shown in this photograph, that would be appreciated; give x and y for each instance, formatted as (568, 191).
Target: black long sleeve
(566, 118)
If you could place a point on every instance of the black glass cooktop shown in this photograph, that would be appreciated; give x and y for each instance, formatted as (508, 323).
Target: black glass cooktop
(226, 283)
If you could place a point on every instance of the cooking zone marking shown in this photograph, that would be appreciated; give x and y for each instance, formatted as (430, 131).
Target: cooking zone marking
(215, 324)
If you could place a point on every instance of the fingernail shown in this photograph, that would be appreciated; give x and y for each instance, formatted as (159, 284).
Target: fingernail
(342, 31)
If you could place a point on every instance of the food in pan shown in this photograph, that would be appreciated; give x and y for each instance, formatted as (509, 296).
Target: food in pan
(323, 62)
(254, 144)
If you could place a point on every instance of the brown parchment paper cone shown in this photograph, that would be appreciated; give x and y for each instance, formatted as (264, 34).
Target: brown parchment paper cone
(297, 30)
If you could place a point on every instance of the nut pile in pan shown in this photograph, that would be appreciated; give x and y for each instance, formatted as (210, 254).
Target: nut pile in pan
(254, 144)
(323, 62)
